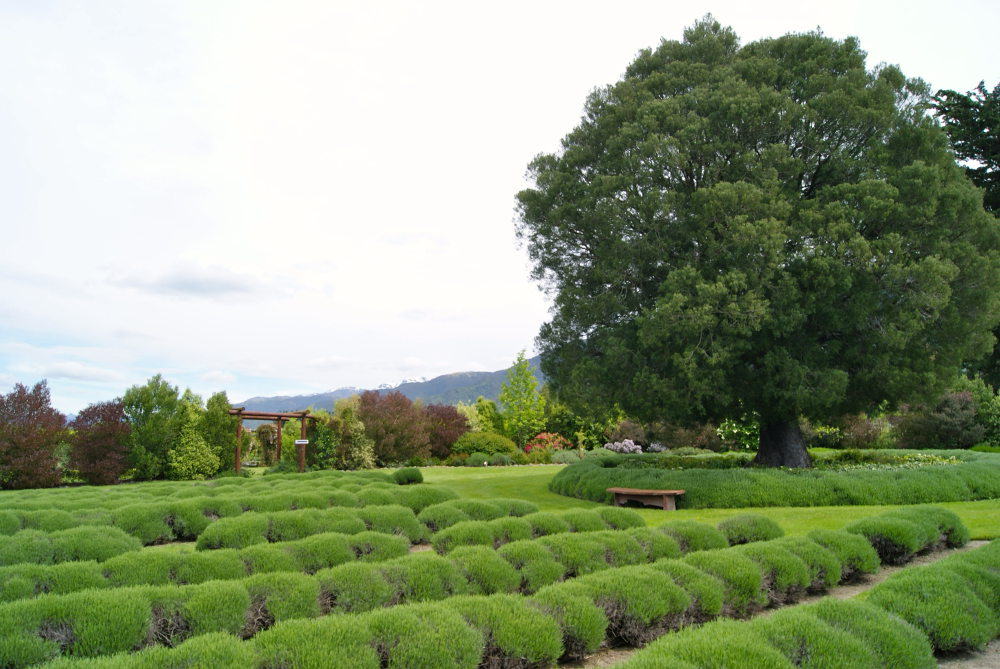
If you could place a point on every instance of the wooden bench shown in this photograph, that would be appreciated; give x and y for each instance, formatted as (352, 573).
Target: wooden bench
(661, 498)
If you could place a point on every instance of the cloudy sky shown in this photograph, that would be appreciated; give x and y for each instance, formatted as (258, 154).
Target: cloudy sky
(272, 197)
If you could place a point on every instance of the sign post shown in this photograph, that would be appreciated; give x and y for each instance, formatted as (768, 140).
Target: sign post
(302, 443)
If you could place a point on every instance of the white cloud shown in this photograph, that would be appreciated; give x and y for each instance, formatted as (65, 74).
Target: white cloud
(79, 371)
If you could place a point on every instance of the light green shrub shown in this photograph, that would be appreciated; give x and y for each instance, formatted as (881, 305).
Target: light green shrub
(477, 460)
(280, 596)
(941, 604)
(546, 522)
(748, 527)
(423, 577)
(722, 643)
(654, 543)
(895, 540)
(91, 543)
(440, 516)
(509, 529)
(855, 553)
(218, 606)
(641, 603)
(617, 518)
(408, 476)
(502, 620)
(320, 551)
(424, 635)
(419, 497)
(740, 575)
(694, 536)
(485, 571)
(335, 642)
(354, 587)
(583, 520)
(375, 546)
(824, 567)
(895, 642)
(808, 641)
(582, 622)
(534, 562)
(706, 591)
(393, 519)
(785, 576)
(465, 533)
(578, 554)
(236, 532)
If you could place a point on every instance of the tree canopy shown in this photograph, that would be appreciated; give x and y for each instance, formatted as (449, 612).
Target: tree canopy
(972, 121)
(771, 228)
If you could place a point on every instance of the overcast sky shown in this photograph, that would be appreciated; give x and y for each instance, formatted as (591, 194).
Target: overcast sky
(289, 197)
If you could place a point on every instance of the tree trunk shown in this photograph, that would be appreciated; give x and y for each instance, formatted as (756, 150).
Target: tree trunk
(782, 445)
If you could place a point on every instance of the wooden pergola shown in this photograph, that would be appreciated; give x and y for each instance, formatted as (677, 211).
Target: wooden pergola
(279, 418)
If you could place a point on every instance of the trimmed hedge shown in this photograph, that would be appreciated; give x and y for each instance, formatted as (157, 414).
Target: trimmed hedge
(976, 476)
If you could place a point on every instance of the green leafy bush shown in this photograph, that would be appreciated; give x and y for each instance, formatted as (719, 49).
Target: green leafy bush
(407, 476)
(440, 516)
(824, 567)
(722, 643)
(477, 460)
(895, 642)
(486, 443)
(545, 522)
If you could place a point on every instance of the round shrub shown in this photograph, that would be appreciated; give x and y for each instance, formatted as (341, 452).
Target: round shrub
(740, 575)
(546, 522)
(694, 536)
(407, 476)
(583, 623)
(477, 460)
(439, 516)
(749, 527)
(535, 563)
(855, 553)
(618, 518)
(466, 533)
(487, 443)
(419, 497)
(785, 576)
(500, 460)
(706, 591)
(484, 569)
(503, 620)
(895, 540)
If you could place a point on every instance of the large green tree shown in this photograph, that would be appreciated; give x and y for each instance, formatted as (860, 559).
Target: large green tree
(770, 227)
(523, 414)
(150, 410)
(972, 121)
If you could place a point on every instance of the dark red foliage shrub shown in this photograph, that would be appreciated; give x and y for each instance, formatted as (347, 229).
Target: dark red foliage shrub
(949, 424)
(444, 426)
(396, 425)
(100, 442)
(30, 431)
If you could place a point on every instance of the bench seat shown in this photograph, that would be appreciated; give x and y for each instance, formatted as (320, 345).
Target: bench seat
(665, 499)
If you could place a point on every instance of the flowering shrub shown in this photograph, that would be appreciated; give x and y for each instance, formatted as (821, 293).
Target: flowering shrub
(547, 440)
(624, 446)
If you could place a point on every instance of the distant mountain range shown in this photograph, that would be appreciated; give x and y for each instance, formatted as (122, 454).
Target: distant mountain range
(446, 389)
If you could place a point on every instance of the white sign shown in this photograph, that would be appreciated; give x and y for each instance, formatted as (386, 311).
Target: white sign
(301, 442)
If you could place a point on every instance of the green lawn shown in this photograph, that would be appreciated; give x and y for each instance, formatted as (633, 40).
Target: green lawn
(531, 483)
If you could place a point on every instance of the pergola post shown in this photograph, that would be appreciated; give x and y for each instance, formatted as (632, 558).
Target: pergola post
(239, 443)
(277, 457)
